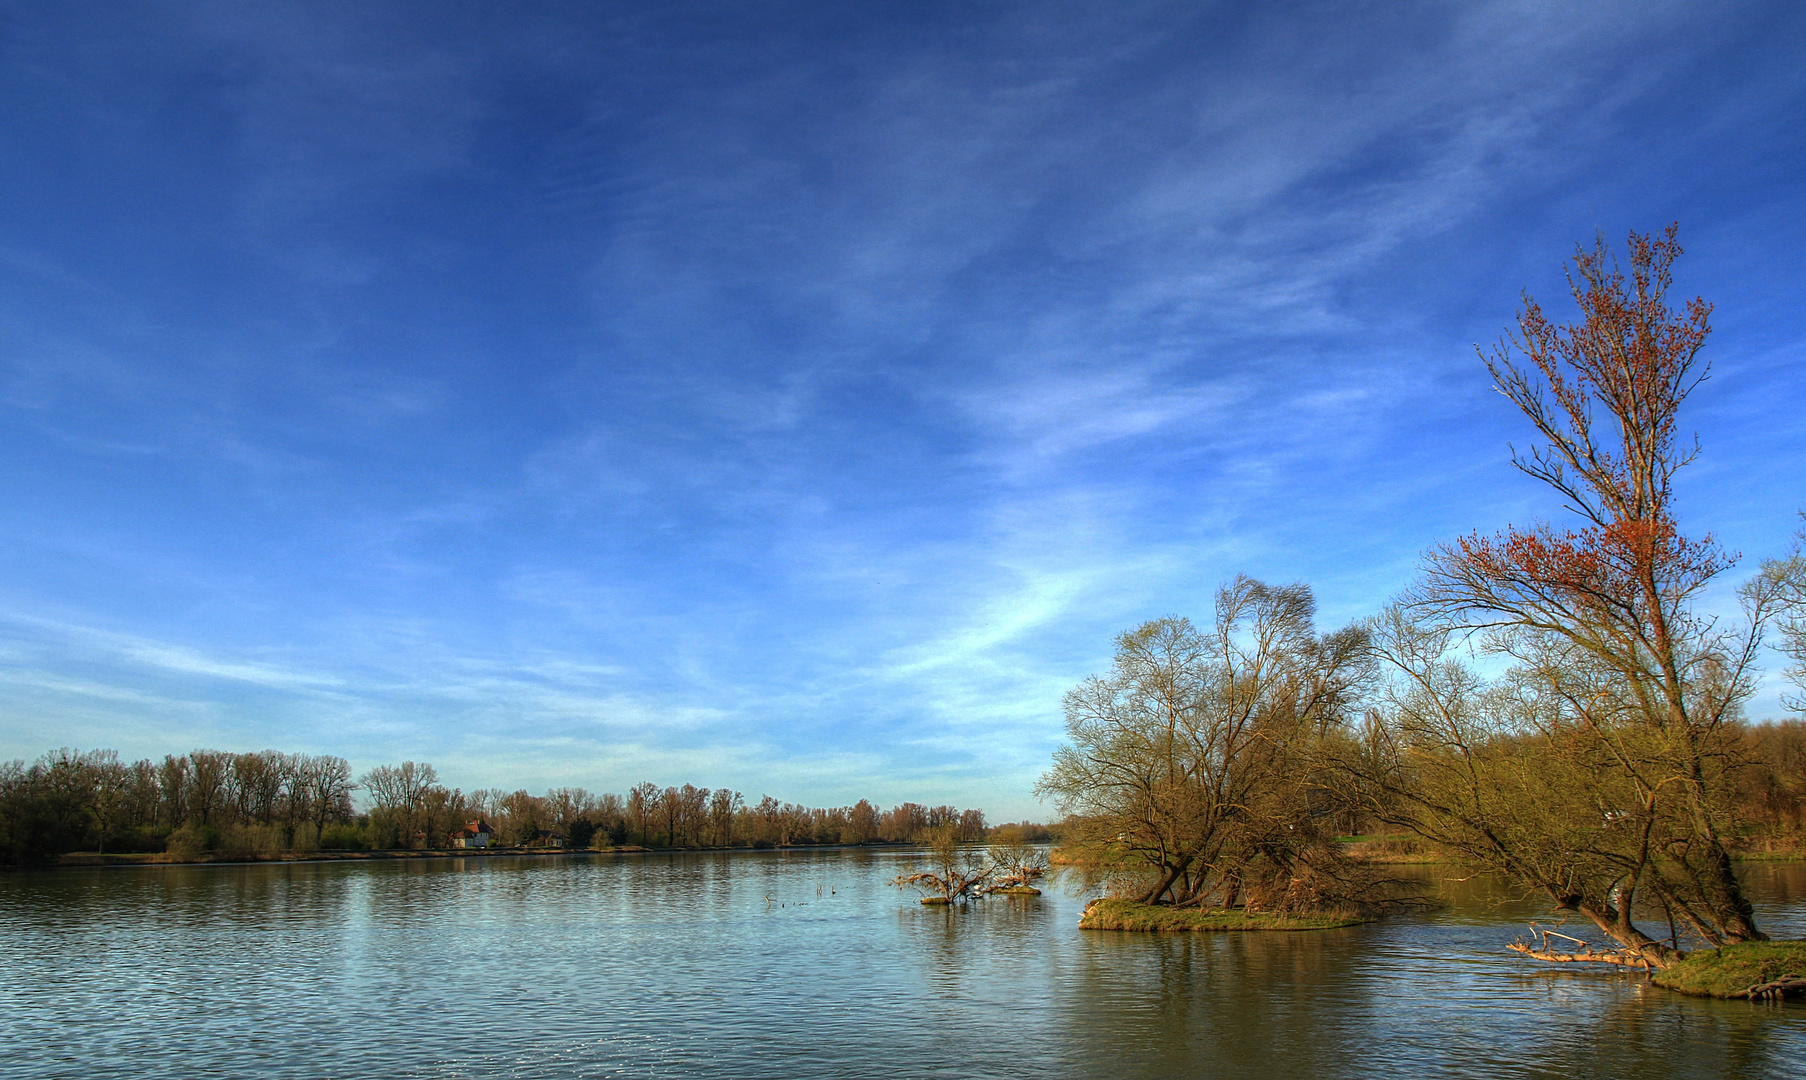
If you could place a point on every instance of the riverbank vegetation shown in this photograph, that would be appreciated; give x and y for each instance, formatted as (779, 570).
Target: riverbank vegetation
(1546, 704)
(1602, 766)
(1755, 971)
(208, 805)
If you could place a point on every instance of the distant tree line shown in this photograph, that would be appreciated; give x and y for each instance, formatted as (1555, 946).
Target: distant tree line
(408, 807)
(1771, 786)
(260, 804)
(207, 800)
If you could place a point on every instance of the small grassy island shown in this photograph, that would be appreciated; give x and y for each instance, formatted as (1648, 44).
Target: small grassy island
(1115, 914)
(1754, 970)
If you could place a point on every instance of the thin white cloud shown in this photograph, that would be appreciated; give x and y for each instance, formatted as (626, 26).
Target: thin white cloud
(901, 387)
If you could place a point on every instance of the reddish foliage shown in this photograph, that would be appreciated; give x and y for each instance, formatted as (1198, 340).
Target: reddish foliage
(1596, 568)
(1634, 359)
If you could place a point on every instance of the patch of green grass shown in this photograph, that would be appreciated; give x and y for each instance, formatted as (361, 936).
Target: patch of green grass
(1110, 914)
(1732, 970)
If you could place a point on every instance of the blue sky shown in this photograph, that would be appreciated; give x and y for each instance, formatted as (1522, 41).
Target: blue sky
(799, 397)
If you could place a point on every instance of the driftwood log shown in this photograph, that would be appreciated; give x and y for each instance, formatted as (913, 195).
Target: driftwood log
(1584, 955)
(1776, 989)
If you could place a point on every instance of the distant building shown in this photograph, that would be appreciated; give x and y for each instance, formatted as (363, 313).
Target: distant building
(546, 838)
(473, 835)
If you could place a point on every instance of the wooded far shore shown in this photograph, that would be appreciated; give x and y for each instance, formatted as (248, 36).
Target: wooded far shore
(213, 806)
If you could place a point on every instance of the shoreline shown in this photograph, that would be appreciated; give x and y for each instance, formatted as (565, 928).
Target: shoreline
(88, 860)
(1751, 971)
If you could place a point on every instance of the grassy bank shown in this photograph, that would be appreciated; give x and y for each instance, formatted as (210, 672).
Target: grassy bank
(1733, 971)
(1110, 914)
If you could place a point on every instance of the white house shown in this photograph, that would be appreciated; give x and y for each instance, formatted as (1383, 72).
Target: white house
(475, 834)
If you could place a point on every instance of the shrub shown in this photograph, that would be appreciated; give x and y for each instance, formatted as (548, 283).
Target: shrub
(193, 840)
(344, 836)
(137, 838)
(249, 841)
(306, 838)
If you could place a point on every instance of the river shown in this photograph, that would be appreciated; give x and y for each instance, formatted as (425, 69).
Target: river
(800, 964)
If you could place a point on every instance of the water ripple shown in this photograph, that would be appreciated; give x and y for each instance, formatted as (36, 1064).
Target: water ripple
(796, 964)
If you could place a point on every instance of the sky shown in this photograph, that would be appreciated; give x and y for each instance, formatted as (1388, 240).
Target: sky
(800, 397)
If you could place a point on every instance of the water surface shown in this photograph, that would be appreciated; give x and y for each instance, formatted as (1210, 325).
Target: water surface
(799, 964)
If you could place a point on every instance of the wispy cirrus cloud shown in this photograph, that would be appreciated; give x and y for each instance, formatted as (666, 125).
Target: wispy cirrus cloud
(688, 389)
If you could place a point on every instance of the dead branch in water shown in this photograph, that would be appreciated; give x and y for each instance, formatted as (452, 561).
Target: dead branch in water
(1586, 955)
(1776, 989)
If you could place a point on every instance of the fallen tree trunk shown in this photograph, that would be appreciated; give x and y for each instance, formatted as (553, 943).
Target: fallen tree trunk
(1584, 955)
(1776, 989)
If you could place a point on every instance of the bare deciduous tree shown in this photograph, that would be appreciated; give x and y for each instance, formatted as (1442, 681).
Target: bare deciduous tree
(1017, 864)
(955, 871)
(1788, 578)
(398, 787)
(326, 780)
(1599, 769)
(724, 805)
(1195, 753)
